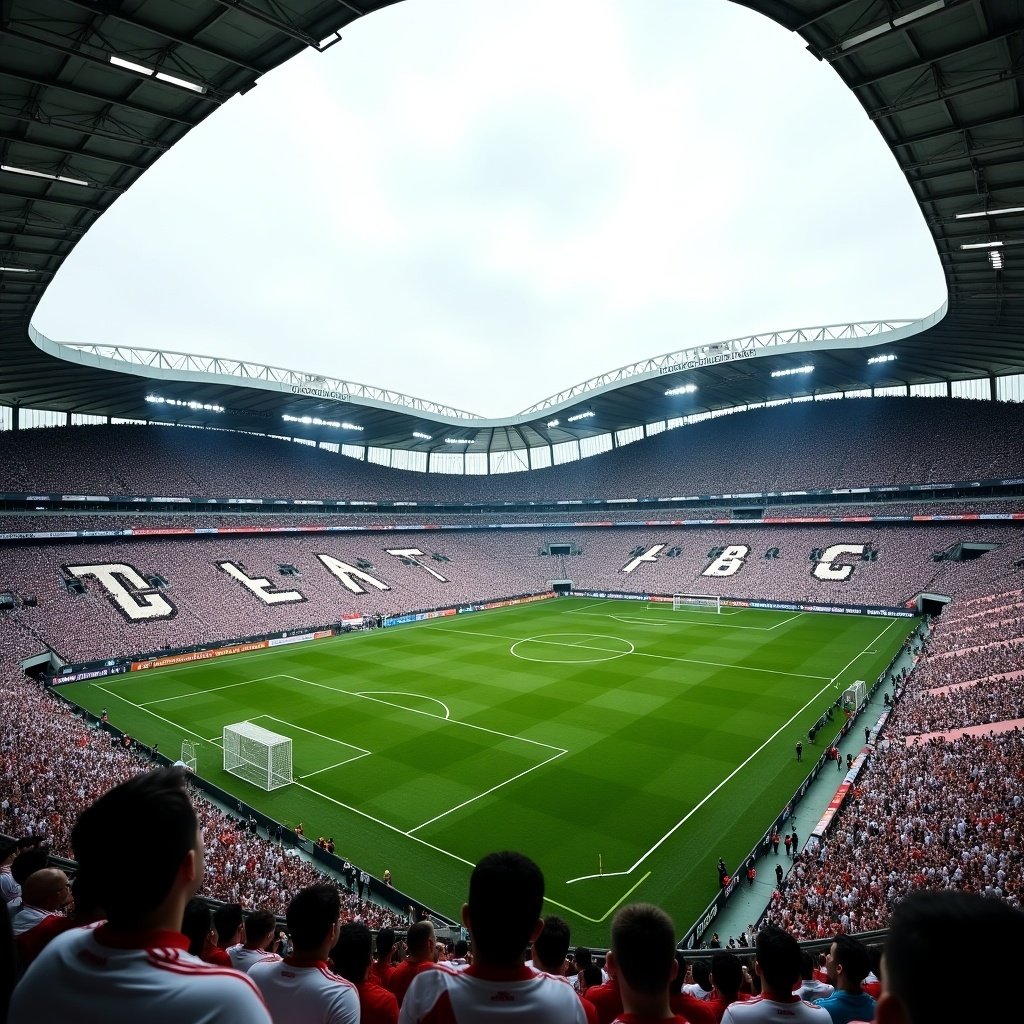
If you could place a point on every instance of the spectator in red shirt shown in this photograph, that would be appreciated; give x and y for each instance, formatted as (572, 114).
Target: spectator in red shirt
(382, 968)
(352, 957)
(422, 942)
(227, 921)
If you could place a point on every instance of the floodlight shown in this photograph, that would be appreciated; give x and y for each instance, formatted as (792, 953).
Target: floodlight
(792, 370)
(43, 174)
(990, 213)
(683, 389)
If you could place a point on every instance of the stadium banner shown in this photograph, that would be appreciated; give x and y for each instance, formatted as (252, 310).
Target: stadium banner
(505, 602)
(216, 652)
(93, 673)
(301, 638)
(175, 531)
(845, 788)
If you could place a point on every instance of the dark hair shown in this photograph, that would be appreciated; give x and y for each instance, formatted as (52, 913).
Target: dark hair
(257, 925)
(312, 914)
(806, 965)
(385, 940)
(552, 945)
(644, 947)
(27, 863)
(461, 947)
(584, 957)
(127, 882)
(675, 985)
(779, 958)
(227, 920)
(853, 956)
(506, 891)
(702, 973)
(418, 937)
(924, 928)
(352, 952)
(592, 974)
(195, 925)
(727, 973)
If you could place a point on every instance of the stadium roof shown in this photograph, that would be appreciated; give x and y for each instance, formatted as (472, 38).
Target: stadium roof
(91, 94)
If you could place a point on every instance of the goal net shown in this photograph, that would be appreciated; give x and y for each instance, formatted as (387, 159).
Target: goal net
(258, 755)
(699, 601)
(855, 695)
(188, 755)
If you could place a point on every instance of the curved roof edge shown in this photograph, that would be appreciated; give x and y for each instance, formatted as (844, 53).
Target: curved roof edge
(177, 367)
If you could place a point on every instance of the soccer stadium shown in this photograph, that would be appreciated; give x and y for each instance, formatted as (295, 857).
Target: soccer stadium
(735, 630)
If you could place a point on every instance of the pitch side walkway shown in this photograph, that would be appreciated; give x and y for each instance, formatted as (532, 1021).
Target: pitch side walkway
(748, 902)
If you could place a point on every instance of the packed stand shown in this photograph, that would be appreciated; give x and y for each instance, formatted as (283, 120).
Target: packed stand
(814, 445)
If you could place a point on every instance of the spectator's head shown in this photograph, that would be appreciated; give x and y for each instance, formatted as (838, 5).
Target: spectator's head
(644, 958)
(142, 887)
(460, 949)
(551, 947)
(726, 974)
(702, 973)
(675, 986)
(385, 943)
(506, 891)
(925, 926)
(778, 962)
(352, 952)
(228, 922)
(421, 940)
(848, 963)
(313, 919)
(806, 966)
(197, 925)
(8, 849)
(47, 889)
(592, 974)
(28, 862)
(260, 926)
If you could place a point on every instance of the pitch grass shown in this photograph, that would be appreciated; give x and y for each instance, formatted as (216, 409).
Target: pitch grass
(615, 742)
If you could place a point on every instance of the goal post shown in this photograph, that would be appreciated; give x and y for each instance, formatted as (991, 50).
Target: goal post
(188, 755)
(680, 602)
(855, 695)
(257, 755)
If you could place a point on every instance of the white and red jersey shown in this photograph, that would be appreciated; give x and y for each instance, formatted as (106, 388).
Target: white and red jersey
(243, 957)
(96, 974)
(298, 991)
(760, 1010)
(479, 996)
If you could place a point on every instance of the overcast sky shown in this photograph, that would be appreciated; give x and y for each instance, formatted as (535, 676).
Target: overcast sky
(481, 203)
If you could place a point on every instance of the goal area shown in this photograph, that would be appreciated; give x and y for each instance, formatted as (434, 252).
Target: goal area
(682, 602)
(258, 756)
(855, 695)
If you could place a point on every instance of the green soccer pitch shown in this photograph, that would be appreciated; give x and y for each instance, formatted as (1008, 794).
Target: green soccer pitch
(622, 745)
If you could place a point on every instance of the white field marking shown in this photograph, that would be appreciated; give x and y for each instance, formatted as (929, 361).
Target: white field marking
(415, 711)
(404, 693)
(212, 689)
(480, 796)
(784, 621)
(153, 713)
(865, 650)
(611, 910)
(579, 645)
(362, 750)
(310, 775)
(635, 653)
(677, 620)
(364, 814)
(682, 821)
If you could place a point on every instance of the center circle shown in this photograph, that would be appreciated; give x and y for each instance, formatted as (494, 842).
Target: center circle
(571, 648)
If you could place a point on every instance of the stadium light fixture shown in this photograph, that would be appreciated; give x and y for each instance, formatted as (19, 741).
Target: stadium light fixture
(43, 174)
(421, 436)
(459, 440)
(350, 426)
(683, 389)
(17, 270)
(193, 405)
(895, 23)
(990, 213)
(553, 423)
(996, 259)
(581, 416)
(888, 358)
(148, 72)
(982, 245)
(311, 421)
(792, 370)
